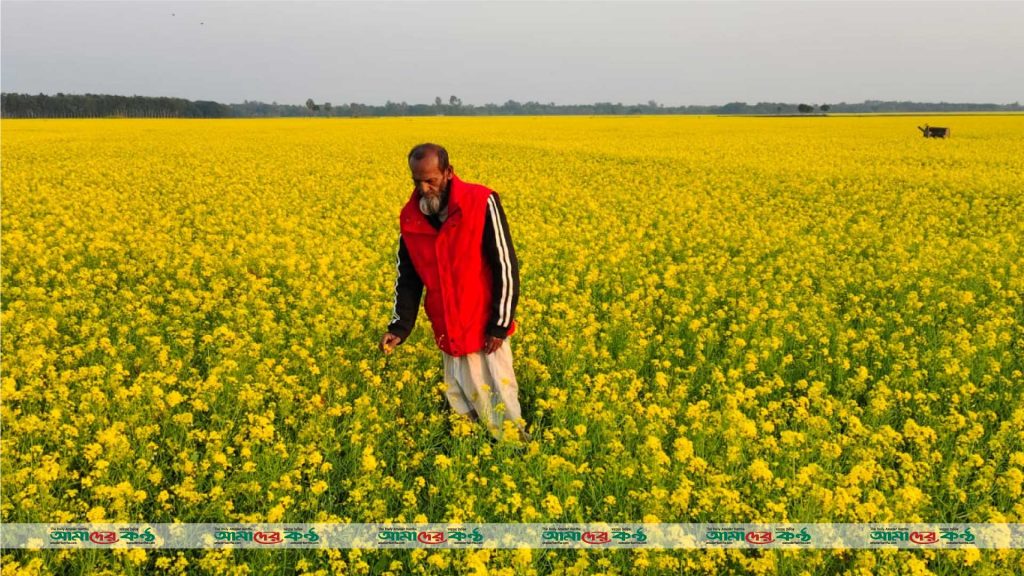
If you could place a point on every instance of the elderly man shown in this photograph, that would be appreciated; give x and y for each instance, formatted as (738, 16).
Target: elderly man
(454, 241)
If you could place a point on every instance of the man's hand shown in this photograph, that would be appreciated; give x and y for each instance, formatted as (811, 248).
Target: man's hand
(491, 344)
(389, 342)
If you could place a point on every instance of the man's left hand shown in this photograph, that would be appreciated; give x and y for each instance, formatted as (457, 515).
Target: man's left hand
(491, 344)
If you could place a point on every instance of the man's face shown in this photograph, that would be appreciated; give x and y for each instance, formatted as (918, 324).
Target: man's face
(430, 181)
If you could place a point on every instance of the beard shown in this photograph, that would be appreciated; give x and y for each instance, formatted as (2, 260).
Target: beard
(432, 205)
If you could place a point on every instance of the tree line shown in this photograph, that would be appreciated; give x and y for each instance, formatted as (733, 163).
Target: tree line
(107, 106)
(13, 105)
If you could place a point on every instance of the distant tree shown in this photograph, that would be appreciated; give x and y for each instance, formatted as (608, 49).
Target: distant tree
(327, 107)
(734, 108)
(396, 108)
(805, 108)
(310, 104)
(825, 107)
(455, 101)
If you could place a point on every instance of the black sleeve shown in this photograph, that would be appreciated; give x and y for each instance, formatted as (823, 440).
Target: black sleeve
(408, 290)
(501, 256)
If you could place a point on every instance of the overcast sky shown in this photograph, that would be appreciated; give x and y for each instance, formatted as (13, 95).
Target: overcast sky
(573, 52)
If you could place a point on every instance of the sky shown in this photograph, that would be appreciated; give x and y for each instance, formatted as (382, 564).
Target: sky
(675, 53)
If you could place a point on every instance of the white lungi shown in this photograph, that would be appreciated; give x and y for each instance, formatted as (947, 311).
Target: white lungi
(485, 384)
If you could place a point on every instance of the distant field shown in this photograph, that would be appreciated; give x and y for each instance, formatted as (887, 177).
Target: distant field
(722, 319)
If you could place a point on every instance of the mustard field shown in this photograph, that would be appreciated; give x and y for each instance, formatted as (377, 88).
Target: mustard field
(722, 320)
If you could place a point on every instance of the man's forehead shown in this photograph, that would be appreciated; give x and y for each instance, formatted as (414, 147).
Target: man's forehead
(429, 163)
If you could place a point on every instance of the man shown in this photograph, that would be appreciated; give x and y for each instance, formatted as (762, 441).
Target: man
(454, 241)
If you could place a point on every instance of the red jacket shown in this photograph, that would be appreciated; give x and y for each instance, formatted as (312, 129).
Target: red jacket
(451, 264)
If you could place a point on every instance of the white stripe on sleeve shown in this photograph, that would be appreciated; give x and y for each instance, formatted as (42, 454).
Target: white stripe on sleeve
(398, 268)
(505, 304)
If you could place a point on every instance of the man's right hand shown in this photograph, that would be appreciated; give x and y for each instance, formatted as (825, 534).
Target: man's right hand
(389, 342)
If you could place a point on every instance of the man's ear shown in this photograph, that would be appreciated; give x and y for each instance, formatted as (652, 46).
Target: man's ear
(450, 171)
